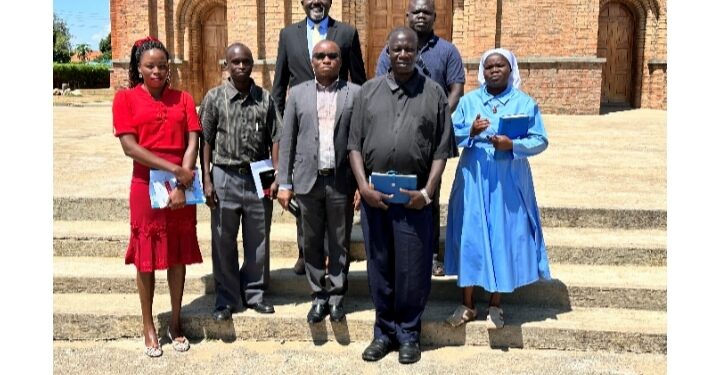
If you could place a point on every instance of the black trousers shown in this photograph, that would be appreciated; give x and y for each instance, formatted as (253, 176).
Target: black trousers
(398, 246)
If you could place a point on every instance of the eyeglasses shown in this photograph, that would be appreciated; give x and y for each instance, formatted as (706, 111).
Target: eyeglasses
(323, 55)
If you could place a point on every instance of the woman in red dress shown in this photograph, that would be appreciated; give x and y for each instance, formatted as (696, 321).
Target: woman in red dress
(159, 129)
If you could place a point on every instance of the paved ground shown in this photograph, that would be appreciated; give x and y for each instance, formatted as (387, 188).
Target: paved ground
(249, 357)
(616, 160)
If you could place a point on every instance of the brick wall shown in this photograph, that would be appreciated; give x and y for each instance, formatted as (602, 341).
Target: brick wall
(549, 30)
(550, 27)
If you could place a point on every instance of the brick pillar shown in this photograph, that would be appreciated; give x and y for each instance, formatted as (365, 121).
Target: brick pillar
(129, 21)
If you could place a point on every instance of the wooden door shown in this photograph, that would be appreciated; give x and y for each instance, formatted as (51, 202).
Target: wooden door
(385, 15)
(214, 42)
(616, 30)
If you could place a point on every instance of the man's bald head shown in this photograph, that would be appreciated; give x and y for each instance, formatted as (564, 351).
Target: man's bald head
(326, 61)
(237, 48)
(239, 62)
(327, 46)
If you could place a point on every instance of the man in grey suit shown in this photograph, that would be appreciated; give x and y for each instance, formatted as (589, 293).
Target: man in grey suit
(293, 65)
(313, 166)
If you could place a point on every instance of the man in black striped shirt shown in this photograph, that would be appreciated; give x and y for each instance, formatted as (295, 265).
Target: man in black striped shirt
(240, 126)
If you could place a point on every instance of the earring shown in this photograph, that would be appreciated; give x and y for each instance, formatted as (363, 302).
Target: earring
(141, 77)
(168, 77)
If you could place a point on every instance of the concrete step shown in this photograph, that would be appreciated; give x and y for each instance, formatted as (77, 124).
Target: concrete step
(113, 316)
(298, 357)
(629, 287)
(117, 209)
(565, 245)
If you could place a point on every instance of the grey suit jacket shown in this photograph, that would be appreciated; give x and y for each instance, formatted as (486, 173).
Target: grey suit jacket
(298, 162)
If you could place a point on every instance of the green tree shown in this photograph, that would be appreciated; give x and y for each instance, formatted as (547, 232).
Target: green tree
(82, 50)
(61, 40)
(105, 47)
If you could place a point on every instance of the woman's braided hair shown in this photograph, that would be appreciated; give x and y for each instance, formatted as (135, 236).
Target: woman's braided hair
(138, 49)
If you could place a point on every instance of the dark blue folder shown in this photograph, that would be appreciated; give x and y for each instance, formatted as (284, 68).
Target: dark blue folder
(391, 182)
(515, 126)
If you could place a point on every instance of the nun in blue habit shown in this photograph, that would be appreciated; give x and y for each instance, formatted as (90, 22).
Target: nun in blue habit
(494, 238)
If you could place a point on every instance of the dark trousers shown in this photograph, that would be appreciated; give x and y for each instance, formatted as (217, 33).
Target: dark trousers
(398, 246)
(326, 223)
(239, 206)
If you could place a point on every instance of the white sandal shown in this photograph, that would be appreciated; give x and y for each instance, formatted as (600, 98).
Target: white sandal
(495, 318)
(181, 345)
(461, 315)
(153, 352)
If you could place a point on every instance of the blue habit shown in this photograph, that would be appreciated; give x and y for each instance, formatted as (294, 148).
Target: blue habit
(494, 238)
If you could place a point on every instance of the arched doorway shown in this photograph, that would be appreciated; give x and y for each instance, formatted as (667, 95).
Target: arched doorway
(616, 32)
(214, 41)
(388, 14)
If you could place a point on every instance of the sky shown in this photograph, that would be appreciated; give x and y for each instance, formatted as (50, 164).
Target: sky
(88, 20)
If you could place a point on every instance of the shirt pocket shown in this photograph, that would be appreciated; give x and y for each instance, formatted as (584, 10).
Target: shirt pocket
(424, 133)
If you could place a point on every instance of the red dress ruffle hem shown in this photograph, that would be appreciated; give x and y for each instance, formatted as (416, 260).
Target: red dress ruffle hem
(159, 238)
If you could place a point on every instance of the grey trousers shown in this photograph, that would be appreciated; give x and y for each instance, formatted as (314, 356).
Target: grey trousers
(326, 213)
(239, 207)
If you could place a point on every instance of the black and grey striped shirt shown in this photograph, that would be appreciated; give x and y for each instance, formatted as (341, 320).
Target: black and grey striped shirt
(239, 129)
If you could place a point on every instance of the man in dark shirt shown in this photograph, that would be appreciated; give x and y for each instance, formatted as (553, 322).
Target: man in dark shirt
(401, 122)
(439, 60)
(293, 63)
(240, 126)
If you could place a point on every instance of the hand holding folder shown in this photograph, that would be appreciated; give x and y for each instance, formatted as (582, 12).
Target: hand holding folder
(391, 182)
(162, 184)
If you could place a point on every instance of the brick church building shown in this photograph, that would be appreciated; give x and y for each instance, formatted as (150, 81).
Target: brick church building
(574, 55)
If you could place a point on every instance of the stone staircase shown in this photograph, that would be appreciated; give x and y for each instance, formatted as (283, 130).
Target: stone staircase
(608, 293)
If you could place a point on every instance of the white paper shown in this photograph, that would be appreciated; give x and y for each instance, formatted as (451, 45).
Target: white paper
(256, 168)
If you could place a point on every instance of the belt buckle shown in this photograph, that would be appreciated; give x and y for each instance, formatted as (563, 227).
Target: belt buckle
(326, 171)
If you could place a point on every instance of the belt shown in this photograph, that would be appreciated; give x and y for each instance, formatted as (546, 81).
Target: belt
(326, 172)
(241, 169)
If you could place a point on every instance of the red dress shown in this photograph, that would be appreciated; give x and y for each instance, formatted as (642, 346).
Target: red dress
(159, 238)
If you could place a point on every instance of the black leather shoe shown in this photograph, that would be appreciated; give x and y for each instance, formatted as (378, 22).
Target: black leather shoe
(376, 351)
(222, 313)
(317, 313)
(337, 313)
(299, 267)
(262, 307)
(409, 352)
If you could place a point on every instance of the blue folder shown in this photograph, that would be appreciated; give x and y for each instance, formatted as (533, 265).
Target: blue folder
(391, 182)
(514, 126)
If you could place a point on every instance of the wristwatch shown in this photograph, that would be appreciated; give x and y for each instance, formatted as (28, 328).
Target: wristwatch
(425, 195)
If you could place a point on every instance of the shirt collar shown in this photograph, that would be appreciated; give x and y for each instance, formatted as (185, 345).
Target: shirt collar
(502, 97)
(411, 85)
(431, 43)
(330, 88)
(323, 24)
(233, 92)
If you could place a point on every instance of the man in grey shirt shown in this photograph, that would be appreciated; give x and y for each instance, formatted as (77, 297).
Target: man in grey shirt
(240, 126)
(401, 122)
